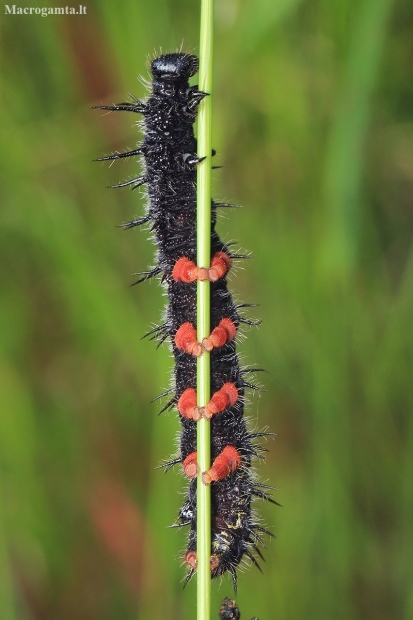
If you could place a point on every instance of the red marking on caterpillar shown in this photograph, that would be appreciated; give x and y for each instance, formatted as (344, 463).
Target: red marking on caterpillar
(185, 270)
(190, 465)
(224, 332)
(225, 463)
(170, 160)
(187, 405)
(192, 560)
(185, 337)
(225, 397)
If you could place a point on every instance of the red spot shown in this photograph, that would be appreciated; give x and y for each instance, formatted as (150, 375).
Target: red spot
(185, 339)
(191, 559)
(225, 463)
(231, 391)
(214, 562)
(225, 397)
(185, 270)
(221, 334)
(230, 328)
(220, 264)
(187, 405)
(190, 465)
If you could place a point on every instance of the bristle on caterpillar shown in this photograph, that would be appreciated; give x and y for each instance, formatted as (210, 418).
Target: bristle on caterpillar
(169, 151)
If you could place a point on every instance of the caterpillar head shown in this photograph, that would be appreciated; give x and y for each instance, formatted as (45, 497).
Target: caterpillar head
(174, 66)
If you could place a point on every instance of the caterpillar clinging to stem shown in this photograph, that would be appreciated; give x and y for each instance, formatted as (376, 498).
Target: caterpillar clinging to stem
(170, 161)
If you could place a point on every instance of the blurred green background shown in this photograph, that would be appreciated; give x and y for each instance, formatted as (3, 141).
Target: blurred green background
(313, 121)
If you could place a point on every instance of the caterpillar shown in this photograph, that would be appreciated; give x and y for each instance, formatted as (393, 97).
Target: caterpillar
(169, 173)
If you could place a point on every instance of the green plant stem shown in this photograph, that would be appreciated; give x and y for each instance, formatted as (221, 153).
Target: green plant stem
(203, 310)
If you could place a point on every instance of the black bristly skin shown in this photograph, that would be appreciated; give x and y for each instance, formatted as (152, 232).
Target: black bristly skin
(170, 158)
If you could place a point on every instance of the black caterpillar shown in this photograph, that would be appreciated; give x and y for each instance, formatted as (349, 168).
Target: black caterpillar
(169, 151)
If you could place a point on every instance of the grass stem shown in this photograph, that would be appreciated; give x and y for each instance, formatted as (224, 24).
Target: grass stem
(203, 309)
